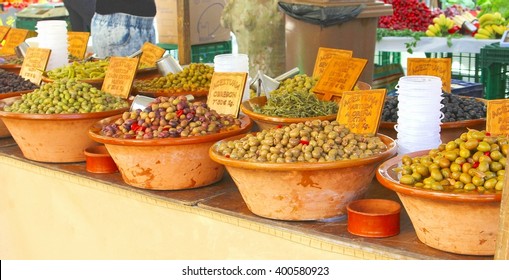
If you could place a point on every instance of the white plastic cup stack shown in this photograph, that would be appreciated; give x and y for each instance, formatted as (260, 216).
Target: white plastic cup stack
(52, 34)
(419, 115)
(233, 63)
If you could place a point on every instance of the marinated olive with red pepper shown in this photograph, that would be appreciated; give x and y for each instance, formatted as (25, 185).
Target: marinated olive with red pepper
(473, 162)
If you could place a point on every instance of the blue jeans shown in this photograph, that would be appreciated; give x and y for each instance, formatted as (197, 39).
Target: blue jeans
(120, 34)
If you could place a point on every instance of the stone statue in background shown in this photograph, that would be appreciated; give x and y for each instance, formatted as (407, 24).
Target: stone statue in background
(260, 31)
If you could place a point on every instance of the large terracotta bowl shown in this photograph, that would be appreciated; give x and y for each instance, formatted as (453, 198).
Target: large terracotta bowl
(52, 137)
(448, 131)
(167, 163)
(302, 191)
(4, 132)
(266, 122)
(462, 223)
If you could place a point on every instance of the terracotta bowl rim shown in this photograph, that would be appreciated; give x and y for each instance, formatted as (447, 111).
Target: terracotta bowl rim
(246, 108)
(383, 176)
(10, 66)
(396, 207)
(94, 133)
(303, 166)
(13, 93)
(75, 116)
(444, 125)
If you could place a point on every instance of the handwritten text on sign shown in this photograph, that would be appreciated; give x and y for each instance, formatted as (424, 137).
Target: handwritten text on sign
(340, 75)
(438, 67)
(360, 110)
(226, 90)
(78, 43)
(15, 37)
(120, 75)
(324, 56)
(496, 119)
(34, 64)
(151, 53)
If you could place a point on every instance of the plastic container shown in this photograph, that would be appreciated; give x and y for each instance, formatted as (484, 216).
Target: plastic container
(234, 63)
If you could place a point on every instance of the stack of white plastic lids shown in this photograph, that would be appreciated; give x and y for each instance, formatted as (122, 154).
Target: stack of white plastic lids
(419, 115)
(233, 63)
(52, 34)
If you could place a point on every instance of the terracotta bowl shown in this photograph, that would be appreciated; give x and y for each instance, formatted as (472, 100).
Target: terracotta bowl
(4, 132)
(266, 122)
(302, 191)
(373, 217)
(462, 223)
(14, 68)
(52, 137)
(166, 164)
(98, 160)
(448, 131)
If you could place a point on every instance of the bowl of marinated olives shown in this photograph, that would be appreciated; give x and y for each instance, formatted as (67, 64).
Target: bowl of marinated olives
(165, 146)
(452, 193)
(303, 171)
(50, 124)
(460, 114)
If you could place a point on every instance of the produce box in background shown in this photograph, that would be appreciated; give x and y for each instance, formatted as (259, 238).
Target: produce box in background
(205, 21)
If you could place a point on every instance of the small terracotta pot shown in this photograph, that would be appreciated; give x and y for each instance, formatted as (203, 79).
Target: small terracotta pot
(52, 137)
(373, 217)
(448, 131)
(167, 163)
(302, 191)
(98, 160)
(462, 223)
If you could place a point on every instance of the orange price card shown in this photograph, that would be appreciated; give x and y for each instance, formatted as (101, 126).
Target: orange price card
(324, 56)
(438, 67)
(497, 119)
(15, 37)
(341, 74)
(3, 31)
(225, 93)
(119, 76)
(150, 54)
(361, 110)
(77, 44)
(34, 64)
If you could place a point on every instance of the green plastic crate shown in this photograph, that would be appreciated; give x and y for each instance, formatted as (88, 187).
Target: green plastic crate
(386, 58)
(203, 53)
(494, 61)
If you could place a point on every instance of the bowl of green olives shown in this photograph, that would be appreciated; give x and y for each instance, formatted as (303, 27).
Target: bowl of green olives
(4, 132)
(303, 171)
(50, 124)
(452, 194)
(165, 146)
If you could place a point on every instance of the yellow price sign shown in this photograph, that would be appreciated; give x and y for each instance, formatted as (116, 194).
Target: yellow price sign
(150, 54)
(361, 110)
(225, 93)
(324, 56)
(78, 43)
(497, 117)
(119, 76)
(341, 74)
(14, 38)
(438, 67)
(34, 64)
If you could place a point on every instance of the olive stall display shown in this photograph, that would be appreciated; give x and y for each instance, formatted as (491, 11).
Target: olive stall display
(294, 98)
(456, 108)
(11, 82)
(172, 116)
(66, 96)
(474, 162)
(194, 77)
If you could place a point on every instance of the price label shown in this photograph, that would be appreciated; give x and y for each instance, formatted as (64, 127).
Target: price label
(361, 110)
(3, 31)
(34, 64)
(78, 43)
(438, 67)
(151, 53)
(226, 90)
(497, 116)
(15, 37)
(324, 56)
(119, 76)
(340, 75)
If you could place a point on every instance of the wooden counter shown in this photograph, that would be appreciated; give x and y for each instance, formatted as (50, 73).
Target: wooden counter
(60, 211)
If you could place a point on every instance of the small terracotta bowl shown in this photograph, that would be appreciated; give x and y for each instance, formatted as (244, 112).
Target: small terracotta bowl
(98, 160)
(373, 217)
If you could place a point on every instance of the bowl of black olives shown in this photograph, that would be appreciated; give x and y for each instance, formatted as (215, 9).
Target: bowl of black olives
(303, 171)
